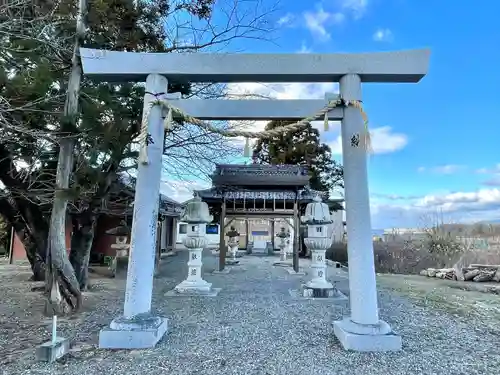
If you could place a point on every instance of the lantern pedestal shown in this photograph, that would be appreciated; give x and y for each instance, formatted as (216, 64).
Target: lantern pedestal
(282, 247)
(318, 218)
(283, 236)
(194, 283)
(283, 261)
(233, 250)
(119, 264)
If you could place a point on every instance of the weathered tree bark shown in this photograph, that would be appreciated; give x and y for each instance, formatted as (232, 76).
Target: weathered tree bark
(81, 245)
(63, 275)
(29, 225)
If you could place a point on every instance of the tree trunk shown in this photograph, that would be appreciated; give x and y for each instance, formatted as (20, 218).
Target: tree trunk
(81, 245)
(62, 275)
(63, 279)
(37, 260)
(30, 226)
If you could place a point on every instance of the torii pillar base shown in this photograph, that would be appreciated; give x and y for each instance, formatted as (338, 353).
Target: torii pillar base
(366, 338)
(140, 332)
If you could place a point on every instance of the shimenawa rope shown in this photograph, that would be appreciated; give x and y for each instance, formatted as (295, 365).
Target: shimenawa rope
(144, 138)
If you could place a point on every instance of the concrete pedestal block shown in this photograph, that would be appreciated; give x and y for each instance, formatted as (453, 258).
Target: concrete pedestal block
(319, 292)
(335, 297)
(370, 338)
(212, 292)
(291, 271)
(226, 270)
(283, 264)
(119, 267)
(197, 287)
(51, 351)
(141, 332)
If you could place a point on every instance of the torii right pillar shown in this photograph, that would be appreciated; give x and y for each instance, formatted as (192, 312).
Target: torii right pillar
(363, 330)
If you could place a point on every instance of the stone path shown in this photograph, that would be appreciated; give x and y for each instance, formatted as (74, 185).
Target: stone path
(254, 327)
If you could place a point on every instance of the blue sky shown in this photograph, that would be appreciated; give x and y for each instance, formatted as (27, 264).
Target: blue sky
(435, 142)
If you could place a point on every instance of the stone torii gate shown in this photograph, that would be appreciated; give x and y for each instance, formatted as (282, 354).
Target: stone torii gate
(363, 330)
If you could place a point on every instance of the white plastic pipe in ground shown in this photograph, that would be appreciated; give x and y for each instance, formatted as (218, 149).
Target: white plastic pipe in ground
(141, 263)
(362, 284)
(54, 329)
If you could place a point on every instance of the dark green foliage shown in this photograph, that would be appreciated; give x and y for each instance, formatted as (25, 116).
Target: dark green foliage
(301, 148)
(36, 46)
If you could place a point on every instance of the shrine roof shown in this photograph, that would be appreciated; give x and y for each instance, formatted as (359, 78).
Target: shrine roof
(167, 206)
(260, 176)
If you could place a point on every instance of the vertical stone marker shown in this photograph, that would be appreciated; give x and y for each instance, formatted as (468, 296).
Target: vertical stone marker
(138, 328)
(54, 349)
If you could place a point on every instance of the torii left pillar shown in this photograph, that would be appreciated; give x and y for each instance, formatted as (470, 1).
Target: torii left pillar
(138, 328)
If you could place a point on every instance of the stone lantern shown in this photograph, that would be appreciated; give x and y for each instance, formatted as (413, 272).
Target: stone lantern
(317, 219)
(119, 263)
(196, 215)
(233, 243)
(283, 236)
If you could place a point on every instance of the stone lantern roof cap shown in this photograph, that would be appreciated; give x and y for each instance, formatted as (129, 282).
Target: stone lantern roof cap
(196, 212)
(283, 234)
(317, 213)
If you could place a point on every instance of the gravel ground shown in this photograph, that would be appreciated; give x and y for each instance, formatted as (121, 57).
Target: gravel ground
(255, 327)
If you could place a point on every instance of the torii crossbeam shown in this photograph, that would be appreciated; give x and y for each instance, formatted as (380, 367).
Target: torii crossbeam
(363, 330)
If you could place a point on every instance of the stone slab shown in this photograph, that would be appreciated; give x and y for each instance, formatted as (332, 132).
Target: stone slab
(231, 262)
(51, 351)
(212, 293)
(366, 343)
(282, 264)
(291, 271)
(339, 299)
(226, 270)
(136, 336)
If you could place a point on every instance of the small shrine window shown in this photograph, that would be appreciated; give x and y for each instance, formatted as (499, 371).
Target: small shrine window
(319, 229)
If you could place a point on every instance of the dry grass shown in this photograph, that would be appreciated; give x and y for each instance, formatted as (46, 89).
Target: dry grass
(445, 296)
(410, 257)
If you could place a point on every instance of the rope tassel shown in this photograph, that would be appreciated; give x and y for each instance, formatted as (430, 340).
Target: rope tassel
(169, 120)
(246, 150)
(326, 125)
(143, 137)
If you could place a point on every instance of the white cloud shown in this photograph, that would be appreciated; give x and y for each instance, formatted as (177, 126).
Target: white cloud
(286, 20)
(443, 169)
(383, 35)
(494, 170)
(358, 8)
(279, 91)
(384, 141)
(317, 22)
(494, 175)
(181, 191)
(455, 207)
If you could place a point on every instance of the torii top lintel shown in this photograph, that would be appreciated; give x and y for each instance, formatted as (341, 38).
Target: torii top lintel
(117, 66)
